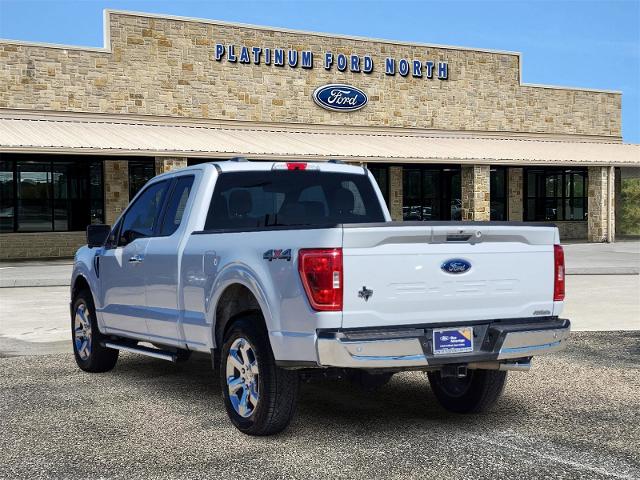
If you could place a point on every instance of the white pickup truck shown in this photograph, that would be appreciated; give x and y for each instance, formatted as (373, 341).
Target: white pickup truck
(278, 269)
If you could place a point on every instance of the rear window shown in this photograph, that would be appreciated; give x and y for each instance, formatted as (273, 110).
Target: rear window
(291, 198)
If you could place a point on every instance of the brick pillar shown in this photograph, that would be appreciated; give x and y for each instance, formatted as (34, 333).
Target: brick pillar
(475, 192)
(395, 193)
(515, 188)
(116, 189)
(166, 164)
(601, 218)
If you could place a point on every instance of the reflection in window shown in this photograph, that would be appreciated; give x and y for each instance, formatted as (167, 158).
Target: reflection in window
(176, 205)
(7, 199)
(381, 174)
(555, 194)
(34, 197)
(140, 219)
(52, 194)
(498, 193)
(140, 172)
(431, 193)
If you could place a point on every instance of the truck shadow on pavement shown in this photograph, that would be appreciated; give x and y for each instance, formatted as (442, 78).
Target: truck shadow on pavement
(406, 399)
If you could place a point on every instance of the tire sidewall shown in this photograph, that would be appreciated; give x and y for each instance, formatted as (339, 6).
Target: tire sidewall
(245, 329)
(101, 359)
(80, 299)
(477, 396)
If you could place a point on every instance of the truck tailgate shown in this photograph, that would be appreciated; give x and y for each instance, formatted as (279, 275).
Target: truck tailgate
(402, 267)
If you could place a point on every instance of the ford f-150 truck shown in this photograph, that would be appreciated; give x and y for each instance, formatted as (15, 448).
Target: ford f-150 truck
(280, 269)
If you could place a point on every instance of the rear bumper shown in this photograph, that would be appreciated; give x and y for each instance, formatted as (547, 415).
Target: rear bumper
(498, 341)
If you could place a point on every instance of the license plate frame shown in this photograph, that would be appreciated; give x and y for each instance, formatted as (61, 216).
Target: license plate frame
(452, 340)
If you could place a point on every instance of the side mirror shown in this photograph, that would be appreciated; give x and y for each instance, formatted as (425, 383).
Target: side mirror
(97, 235)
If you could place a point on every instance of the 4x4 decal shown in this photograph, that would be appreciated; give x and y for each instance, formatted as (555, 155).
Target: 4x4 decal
(277, 255)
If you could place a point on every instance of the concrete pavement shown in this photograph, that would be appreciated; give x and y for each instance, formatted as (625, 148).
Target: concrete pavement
(36, 273)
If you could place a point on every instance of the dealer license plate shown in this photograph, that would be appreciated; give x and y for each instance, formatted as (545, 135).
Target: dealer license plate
(452, 340)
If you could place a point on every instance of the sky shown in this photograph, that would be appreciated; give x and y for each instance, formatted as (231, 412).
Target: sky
(577, 43)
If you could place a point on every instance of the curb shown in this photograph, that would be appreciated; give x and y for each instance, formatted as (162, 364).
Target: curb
(21, 283)
(603, 271)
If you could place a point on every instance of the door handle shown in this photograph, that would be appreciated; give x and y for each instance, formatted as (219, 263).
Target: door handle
(135, 259)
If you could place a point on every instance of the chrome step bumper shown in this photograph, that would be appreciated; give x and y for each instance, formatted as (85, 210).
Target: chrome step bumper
(410, 348)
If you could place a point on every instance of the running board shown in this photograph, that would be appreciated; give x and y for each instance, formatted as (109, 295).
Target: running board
(148, 351)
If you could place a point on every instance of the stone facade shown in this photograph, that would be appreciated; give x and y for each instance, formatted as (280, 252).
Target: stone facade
(166, 164)
(395, 193)
(116, 189)
(167, 67)
(515, 199)
(40, 245)
(601, 215)
(572, 230)
(475, 192)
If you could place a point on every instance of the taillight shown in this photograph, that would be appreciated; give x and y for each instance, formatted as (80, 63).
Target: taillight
(321, 273)
(558, 272)
(296, 165)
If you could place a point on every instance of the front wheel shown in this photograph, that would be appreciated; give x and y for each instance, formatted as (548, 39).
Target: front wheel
(260, 398)
(476, 392)
(89, 354)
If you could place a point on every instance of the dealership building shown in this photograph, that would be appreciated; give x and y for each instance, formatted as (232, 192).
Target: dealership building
(449, 133)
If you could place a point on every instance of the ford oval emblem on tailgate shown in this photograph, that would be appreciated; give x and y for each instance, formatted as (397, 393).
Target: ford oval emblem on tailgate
(340, 98)
(455, 266)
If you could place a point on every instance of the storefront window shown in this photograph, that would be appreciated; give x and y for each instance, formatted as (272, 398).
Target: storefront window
(555, 194)
(35, 211)
(431, 193)
(7, 198)
(381, 174)
(140, 172)
(41, 194)
(498, 189)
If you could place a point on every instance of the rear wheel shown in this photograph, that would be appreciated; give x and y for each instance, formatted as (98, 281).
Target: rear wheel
(260, 398)
(476, 392)
(89, 354)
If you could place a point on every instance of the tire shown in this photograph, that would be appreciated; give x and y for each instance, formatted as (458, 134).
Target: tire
(477, 392)
(369, 381)
(260, 397)
(85, 336)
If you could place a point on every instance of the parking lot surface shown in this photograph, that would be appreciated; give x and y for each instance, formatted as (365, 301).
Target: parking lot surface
(575, 415)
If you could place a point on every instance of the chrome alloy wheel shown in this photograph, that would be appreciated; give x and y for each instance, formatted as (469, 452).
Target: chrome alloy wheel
(82, 332)
(242, 377)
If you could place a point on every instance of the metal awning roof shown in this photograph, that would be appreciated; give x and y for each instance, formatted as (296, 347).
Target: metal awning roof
(91, 135)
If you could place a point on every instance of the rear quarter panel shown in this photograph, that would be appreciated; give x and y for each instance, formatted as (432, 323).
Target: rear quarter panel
(212, 262)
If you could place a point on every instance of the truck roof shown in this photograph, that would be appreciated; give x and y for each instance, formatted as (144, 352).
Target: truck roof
(234, 165)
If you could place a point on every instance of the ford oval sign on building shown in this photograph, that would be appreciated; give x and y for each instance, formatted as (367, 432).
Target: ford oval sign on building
(455, 266)
(340, 98)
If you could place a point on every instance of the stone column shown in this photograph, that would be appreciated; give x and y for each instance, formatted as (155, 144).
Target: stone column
(395, 193)
(601, 218)
(116, 189)
(515, 187)
(166, 164)
(618, 201)
(475, 192)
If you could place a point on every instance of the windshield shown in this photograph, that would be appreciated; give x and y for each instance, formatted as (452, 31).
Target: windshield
(291, 198)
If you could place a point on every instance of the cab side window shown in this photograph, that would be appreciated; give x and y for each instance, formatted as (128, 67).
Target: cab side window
(141, 218)
(176, 205)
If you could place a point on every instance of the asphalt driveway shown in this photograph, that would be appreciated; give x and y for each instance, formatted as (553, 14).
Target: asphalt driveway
(574, 415)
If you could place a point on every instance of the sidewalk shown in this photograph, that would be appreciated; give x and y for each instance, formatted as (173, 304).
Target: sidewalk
(36, 273)
(621, 258)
